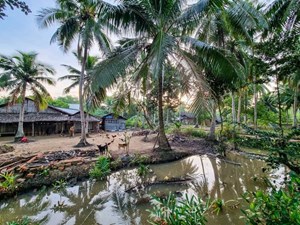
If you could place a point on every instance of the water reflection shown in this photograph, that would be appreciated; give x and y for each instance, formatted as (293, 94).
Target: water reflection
(108, 202)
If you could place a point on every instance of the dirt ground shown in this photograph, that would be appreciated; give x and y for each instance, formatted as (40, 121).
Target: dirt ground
(44, 144)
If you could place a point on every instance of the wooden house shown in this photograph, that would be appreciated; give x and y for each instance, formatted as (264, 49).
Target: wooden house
(187, 118)
(53, 120)
(112, 122)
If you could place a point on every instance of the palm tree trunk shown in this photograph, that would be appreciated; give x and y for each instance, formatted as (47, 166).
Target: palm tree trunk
(295, 108)
(20, 131)
(255, 103)
(82, 141)
(233, 107)
(87, 125)
(245, 107)
(162, 139)
(239, 108)
(212, 130)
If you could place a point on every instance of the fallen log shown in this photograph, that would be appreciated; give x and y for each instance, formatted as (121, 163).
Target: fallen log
(167, 181)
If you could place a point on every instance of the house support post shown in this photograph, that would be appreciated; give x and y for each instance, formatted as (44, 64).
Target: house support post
(32, 129)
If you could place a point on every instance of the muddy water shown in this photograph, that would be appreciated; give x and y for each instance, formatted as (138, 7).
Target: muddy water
(107, 202)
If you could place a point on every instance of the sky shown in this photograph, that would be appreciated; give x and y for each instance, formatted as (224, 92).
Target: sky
(20, 32)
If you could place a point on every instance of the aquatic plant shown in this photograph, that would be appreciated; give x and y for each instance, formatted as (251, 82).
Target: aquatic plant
(143, 170)
(9, 181)
(276, 207)
(217, 206)
(23, 221)
(101, 168)
(189, 211)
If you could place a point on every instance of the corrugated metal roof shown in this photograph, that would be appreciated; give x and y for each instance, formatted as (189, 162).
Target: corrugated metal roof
(111, 115)
(68, 111)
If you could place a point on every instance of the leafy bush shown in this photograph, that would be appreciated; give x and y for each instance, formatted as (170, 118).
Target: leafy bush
(189, 211)
(193, 132)
(9, 181)
(101, 168)
(277, 207)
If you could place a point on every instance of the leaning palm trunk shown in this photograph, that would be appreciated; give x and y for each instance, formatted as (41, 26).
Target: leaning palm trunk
(20, 132)
(295, 108)
(162, 139)
(212, 130)
(82, 141)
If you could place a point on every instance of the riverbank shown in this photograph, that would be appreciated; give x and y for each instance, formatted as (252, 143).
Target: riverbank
(43, 168)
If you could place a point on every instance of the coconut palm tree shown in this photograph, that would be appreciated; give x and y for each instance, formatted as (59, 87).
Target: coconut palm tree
(86, 21)
(93, 99)
(161, 28)
(283, 15)
(23, 72)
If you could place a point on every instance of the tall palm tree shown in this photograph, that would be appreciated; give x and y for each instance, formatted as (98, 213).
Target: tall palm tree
(93, 98)
(86, 21)
(161, 28)
(23, 72)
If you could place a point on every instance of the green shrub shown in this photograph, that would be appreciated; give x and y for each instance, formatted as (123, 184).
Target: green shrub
(9, 181)
(277, 207)
(101, 168)
(193, 132)
(189, 211)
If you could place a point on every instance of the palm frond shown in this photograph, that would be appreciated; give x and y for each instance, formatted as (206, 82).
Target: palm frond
(105, 74)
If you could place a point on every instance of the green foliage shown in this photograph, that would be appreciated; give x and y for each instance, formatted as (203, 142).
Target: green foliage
(282, 150)
(134, 121)
(9, 182)
(12, 4)
(193, 132)
(217, 206)
(139, 159)
(190, 211)
(101, 169)
(3, 100)
(277, 207)
(58, 103)
(45, 172)
(23, 221)
(229, 132)
(60, 185)
(143, 170)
